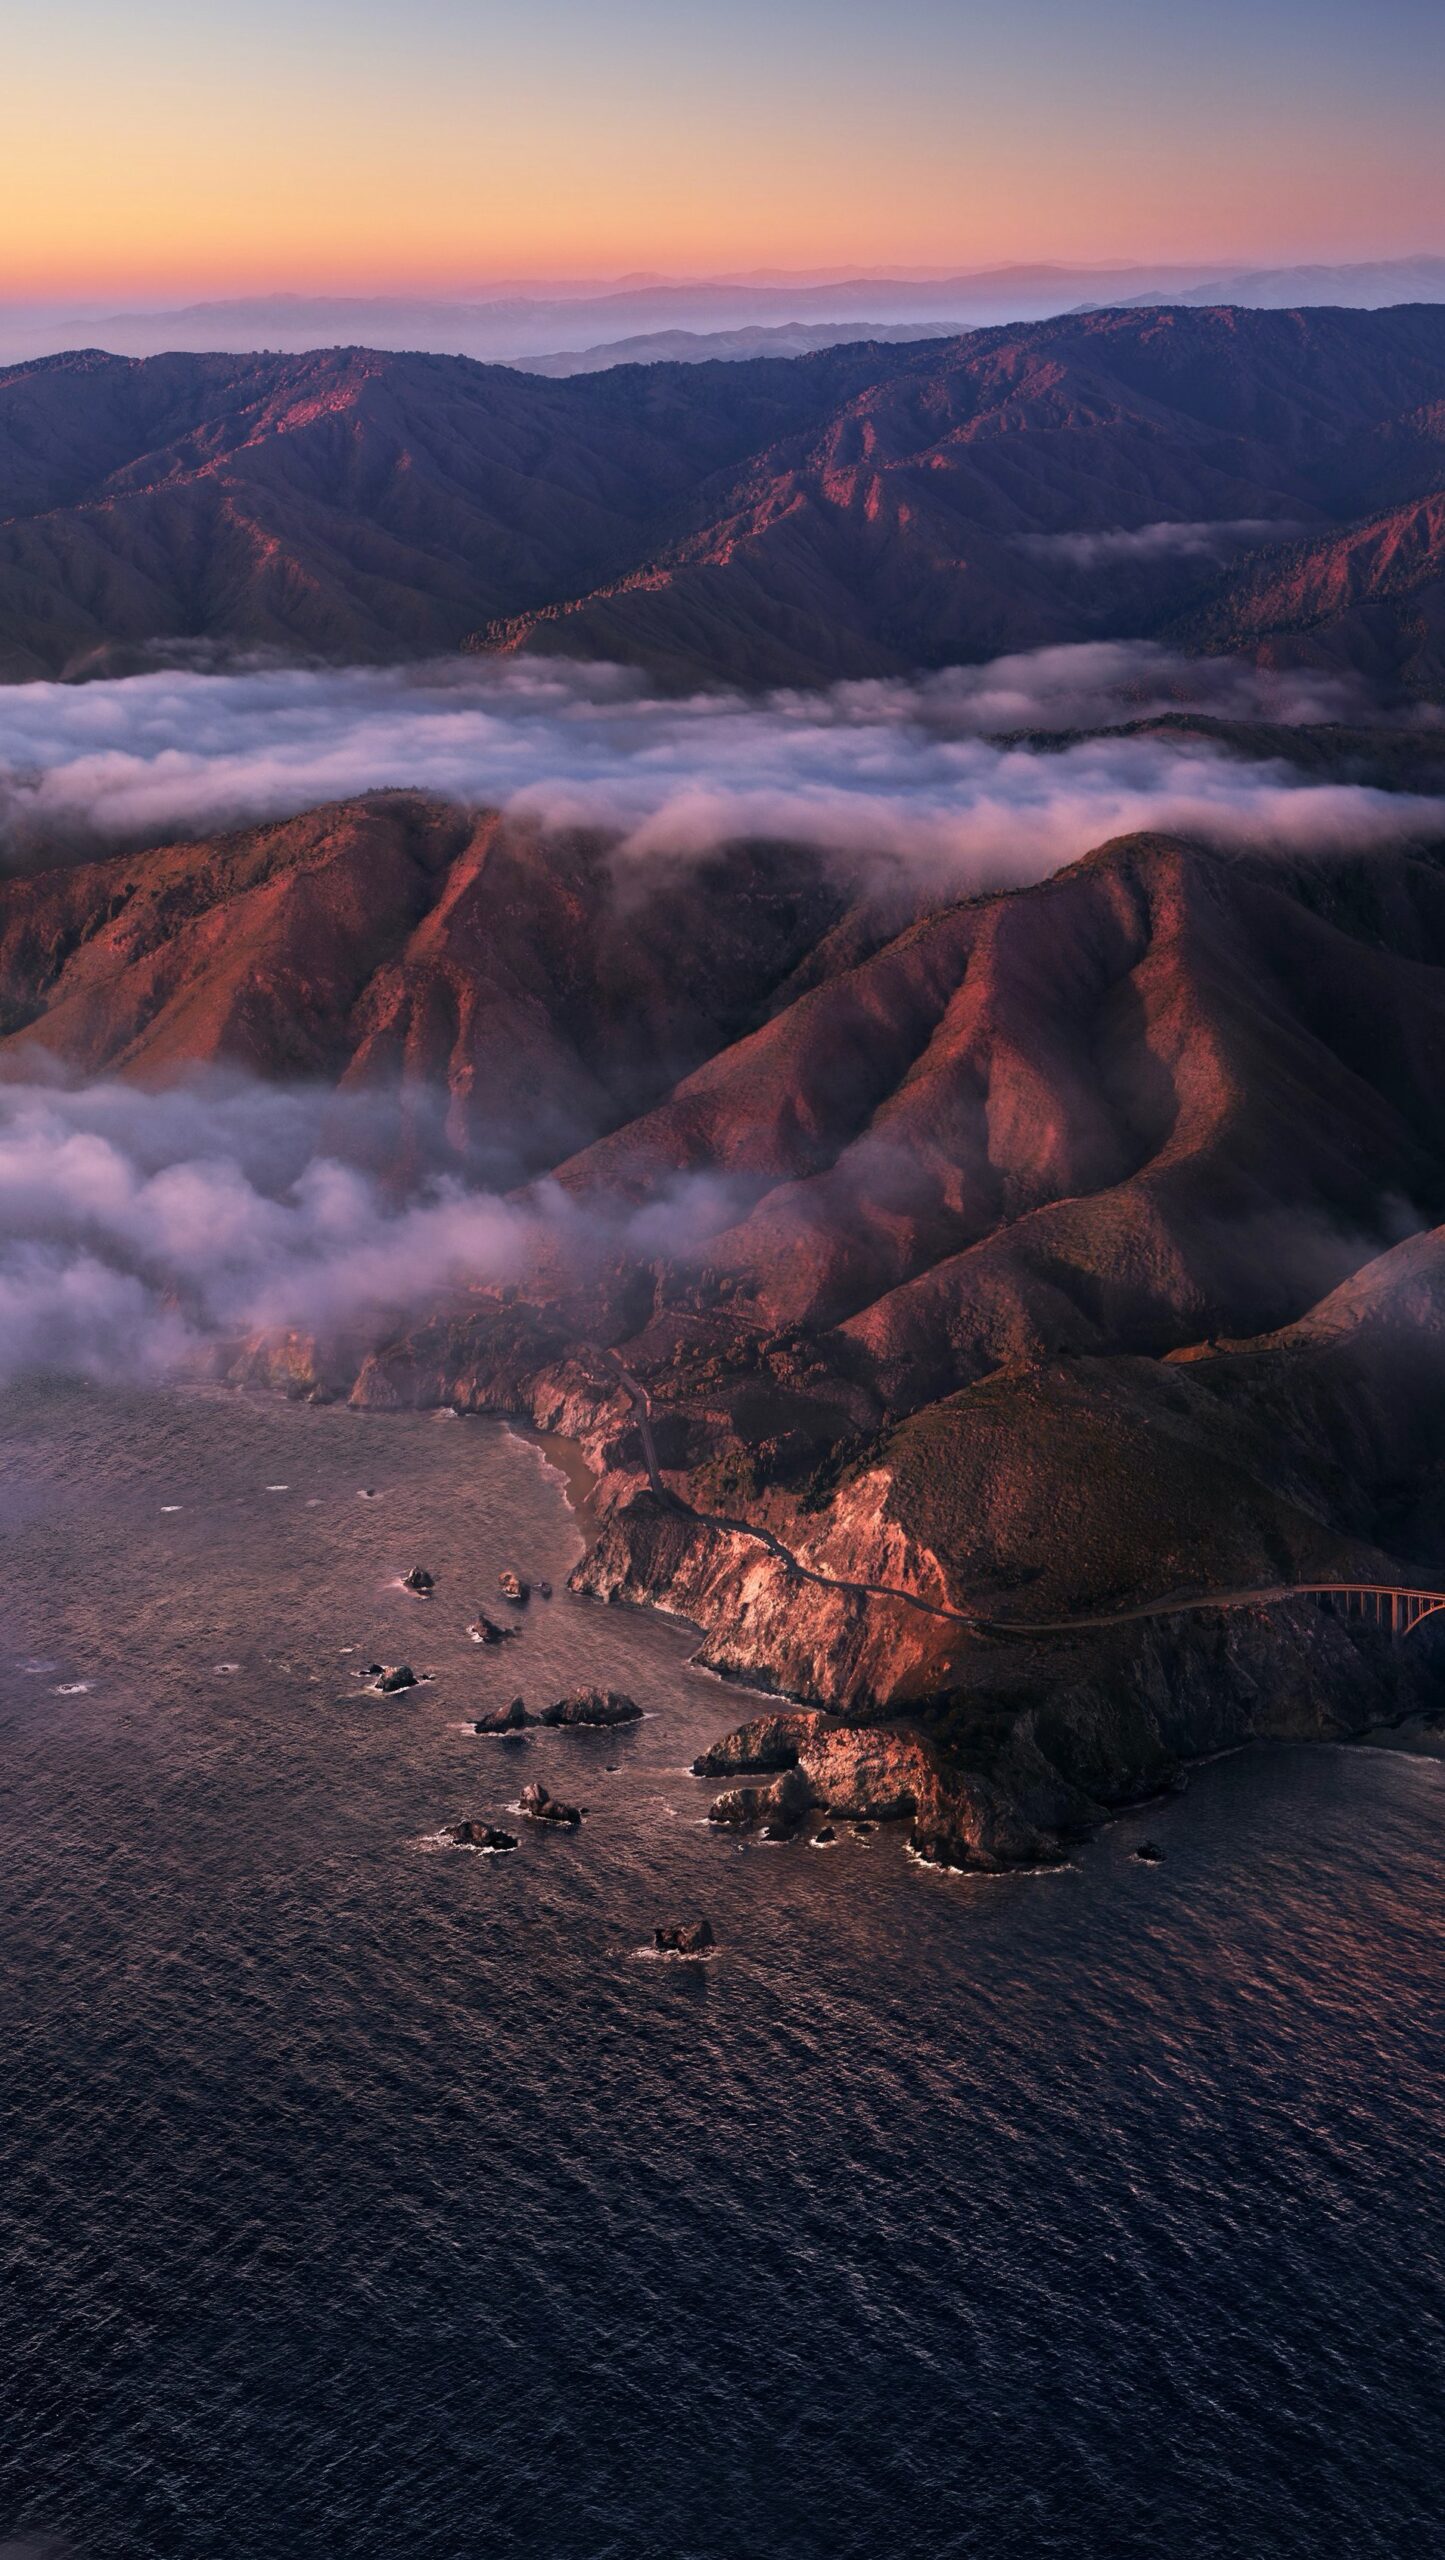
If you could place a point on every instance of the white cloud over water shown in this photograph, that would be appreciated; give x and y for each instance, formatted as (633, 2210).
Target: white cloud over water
(136, 1229)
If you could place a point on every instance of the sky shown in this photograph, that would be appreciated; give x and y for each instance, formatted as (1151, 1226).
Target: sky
(361, 145)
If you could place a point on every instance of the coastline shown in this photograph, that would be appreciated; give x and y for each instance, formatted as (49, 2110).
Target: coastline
(1003, 1754)
(566, 1459)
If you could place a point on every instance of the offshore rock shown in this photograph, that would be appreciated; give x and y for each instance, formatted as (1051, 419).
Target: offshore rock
(683, 1937)
(508, 1719)
(592, 1707)
(539, 1806)
(480, 1835)
(485, 1630)
(388, 1678)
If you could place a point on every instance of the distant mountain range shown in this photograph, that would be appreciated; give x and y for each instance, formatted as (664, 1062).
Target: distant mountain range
(514, 322)
(862, 510)
(728, 346)
(1371, 287)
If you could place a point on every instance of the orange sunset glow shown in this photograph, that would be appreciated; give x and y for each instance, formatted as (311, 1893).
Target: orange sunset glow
(269, 149)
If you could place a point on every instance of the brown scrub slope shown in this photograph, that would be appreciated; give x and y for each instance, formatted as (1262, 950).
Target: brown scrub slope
(397, 946)
(922, 522)
(1371, 599)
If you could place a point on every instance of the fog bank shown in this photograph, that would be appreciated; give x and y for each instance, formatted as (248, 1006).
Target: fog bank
(140, 1230)
(1167, 540)
(946, 768)
(136, 1229)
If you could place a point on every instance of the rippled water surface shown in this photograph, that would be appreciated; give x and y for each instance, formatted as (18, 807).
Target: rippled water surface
(381, 2203)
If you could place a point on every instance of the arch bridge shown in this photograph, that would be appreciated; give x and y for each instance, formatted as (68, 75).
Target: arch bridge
(1402, 1607)
(1397, 1608)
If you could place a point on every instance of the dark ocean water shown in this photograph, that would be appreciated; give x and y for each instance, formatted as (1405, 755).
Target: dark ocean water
(377, 2203)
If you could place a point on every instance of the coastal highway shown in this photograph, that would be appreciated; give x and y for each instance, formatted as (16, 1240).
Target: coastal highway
(1399, 1606)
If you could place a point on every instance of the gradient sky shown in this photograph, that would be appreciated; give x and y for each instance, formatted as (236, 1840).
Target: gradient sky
(362, 143)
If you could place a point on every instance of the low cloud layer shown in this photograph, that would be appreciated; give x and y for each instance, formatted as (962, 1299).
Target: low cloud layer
(932, 769)
(139, 1230)
(136, 1229)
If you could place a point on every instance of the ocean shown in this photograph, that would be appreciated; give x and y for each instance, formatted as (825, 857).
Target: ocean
(362, 2199)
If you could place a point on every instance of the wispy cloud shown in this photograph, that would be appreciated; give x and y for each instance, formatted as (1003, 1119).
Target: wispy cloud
(1162, 541)
(135, 1229)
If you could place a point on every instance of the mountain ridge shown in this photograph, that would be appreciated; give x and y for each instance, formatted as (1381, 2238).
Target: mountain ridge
(860, 510)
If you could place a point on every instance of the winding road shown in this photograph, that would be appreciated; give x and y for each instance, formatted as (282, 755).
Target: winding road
(1401, 1606)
